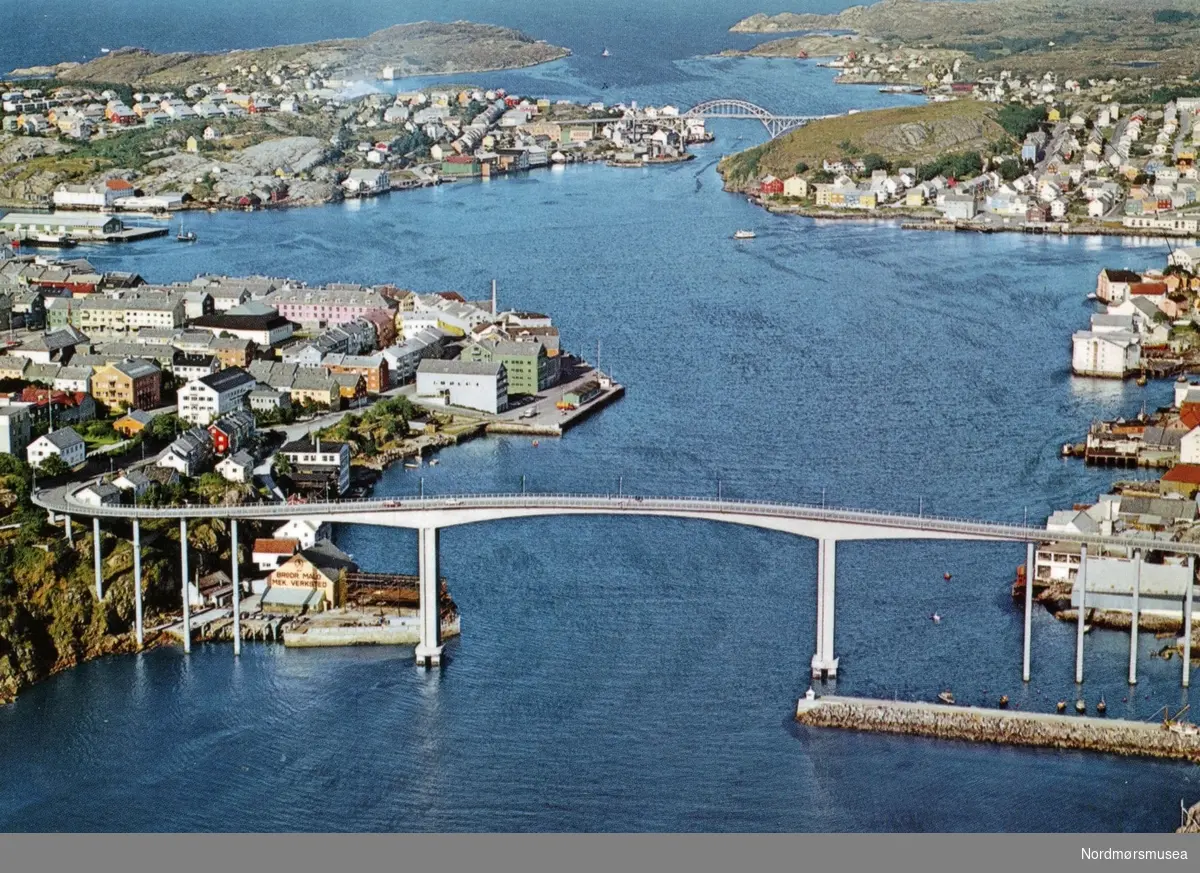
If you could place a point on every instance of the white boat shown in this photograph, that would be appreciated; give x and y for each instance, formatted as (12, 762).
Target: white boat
(937, 619)
(744, 234)
(105, 51)
(604, 53)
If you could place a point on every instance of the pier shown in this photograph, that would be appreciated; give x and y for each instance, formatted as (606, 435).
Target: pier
(1008, 727)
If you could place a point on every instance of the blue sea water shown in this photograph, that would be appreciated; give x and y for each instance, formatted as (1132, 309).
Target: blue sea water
(619, 674)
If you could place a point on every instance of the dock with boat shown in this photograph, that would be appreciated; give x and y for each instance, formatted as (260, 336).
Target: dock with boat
(1172, 737)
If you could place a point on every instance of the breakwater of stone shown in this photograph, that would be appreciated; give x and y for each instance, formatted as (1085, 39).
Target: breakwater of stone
(974, 724)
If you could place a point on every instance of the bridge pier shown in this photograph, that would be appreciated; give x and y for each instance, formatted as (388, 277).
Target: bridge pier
(824, 664)
(1081, 584)
(1030, 570)
(67, 528)
(237, 587)
(183, 586)
(1135, 615)
(96, 557)
(1187, 621)
(137, 580)
(429, 650)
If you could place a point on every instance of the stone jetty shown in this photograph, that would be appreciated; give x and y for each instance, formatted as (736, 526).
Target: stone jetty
(1010, 727)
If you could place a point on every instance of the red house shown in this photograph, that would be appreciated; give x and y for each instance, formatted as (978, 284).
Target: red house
(770, 185)
(231, 432)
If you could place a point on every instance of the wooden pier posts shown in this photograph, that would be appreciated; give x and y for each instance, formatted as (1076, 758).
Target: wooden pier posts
(824, 664)
(237, 587)
(96, 557)
(1081, 585)
(1030, 570)
(429, 650)
(183, 586)
(137, 580)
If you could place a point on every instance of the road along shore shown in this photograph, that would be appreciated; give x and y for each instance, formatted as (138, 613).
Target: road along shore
(976, 724)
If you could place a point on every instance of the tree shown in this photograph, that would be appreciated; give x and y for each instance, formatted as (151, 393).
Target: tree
(801, 168)
(874, 161)
(282, 465)
(53, 466)
(165, 426)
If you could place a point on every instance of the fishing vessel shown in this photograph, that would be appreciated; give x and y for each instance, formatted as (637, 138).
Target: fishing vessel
(1080, 706)
(59, 241)
(946, 697)
(744, 234)
(1003, 700)
(1061, 706)
(1102, 707)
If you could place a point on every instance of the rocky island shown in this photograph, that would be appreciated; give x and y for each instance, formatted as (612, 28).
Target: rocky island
(423, 48)
(1075, 37)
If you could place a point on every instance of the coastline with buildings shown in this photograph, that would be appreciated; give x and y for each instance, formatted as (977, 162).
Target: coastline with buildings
(238, 389)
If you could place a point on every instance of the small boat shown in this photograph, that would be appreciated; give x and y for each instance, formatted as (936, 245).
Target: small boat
(744, 234)
(1062, 706)
(1102, 707)
(947, 576)
(411, 465)
(535, 444)
(604, 54)
(1087, 628)
(105, 51)
(946, 697)
(937, 619)
(433, 462)
(1092, 296)
(54, 240)
(1141, 380)
(185, 235)
(1080, 706)
(1003, 700)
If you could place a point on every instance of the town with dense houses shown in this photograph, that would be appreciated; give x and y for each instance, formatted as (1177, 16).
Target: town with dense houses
(325, 141)
(1074, 158)
(234, 389)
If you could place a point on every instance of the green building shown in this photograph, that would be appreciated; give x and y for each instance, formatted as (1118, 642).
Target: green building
(529, 368)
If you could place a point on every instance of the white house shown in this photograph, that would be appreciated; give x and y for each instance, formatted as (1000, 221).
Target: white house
(1112, 354)
(1187, 258)
(202, 401)
(1189, 447)
(304, 530)
(470, 384)
(236, 467)
(64, 443)
(98, 494)
(364, 183)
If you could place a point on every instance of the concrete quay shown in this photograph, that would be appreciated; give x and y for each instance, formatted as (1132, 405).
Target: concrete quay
(1007, 727)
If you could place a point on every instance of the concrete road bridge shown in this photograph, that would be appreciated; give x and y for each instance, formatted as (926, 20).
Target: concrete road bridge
(429, 515)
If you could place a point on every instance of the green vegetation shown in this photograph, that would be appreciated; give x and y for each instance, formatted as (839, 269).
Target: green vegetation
(381, 427)
(1020, 120)
(130, 149)
(955, 165)
(1172, 16)
(53, 466)
(909, 135)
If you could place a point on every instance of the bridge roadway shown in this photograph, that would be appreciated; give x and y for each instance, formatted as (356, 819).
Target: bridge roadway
(427, 515)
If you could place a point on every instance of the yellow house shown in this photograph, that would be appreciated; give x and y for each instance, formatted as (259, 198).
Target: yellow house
(317, 568)
(1054, 114)
(914, 198)
(795, 186)
(192, 145)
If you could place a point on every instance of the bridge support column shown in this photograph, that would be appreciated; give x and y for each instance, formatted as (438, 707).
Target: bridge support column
(96, 557)
(1030, 571)
(1081, 586)
(1187, 621)
(1135, 616)
(237, 587)
(67, 528)
(429, 650)
(824, 664)
(137, 580)
(183, 586)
